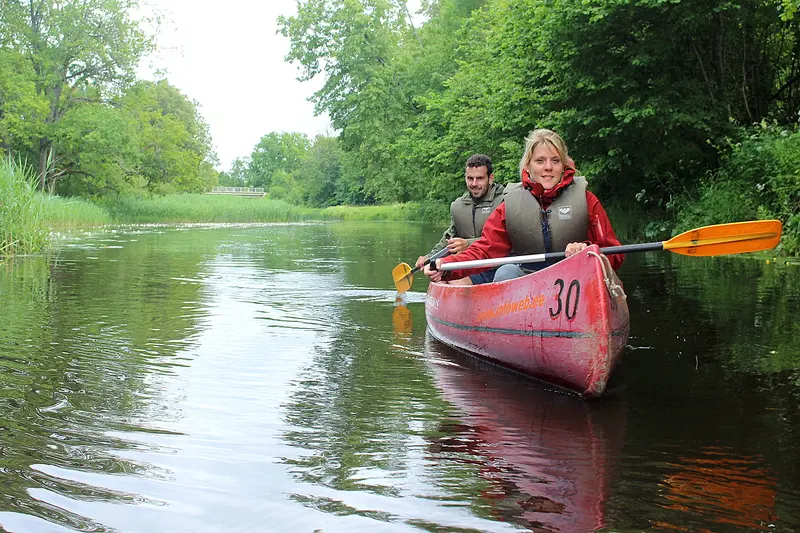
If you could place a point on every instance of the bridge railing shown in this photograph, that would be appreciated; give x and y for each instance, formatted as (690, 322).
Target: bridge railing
(235, 190)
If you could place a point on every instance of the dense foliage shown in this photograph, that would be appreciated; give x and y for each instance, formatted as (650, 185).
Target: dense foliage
(652, 96)
(72, 108)
(686, 112)
(759, 178)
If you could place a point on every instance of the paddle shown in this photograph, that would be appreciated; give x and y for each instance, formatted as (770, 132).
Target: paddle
(404, 275)
(720, 239)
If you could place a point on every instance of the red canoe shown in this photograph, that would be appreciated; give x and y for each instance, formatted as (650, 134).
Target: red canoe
(566, 324)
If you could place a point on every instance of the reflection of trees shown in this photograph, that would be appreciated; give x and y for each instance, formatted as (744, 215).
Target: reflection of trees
(517, 453)
(374, 248)
(358, 408)
(718, 373)
(544, 460)
(82, 342)
(739, 308)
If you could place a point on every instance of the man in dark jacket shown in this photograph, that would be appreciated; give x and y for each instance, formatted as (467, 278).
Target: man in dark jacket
(468, 213)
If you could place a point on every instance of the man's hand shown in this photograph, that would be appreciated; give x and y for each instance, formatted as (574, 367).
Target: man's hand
(420, 261)
(457, 245)
(433, 275)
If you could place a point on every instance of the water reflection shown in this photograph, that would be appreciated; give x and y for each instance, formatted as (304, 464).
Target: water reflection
(719, 487)
(264, 378)
(401, 319)
(544, 460)
(68, 381)
(739, 311)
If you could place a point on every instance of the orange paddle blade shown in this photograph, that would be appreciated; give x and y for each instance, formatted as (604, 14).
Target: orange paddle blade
(722, 239)
(402, 277)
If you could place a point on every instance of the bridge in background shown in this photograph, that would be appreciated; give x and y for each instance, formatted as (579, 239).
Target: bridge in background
(250, 192)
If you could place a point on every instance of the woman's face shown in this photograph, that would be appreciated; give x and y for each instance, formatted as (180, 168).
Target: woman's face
(546, 166)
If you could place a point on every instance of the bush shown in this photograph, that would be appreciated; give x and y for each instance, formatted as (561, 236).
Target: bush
(759, 178)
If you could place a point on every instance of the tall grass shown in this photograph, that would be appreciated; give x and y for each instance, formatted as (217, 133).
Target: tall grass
(408, 211)
(221, 209)
(201, 208)
(67, 213)
(23, 229)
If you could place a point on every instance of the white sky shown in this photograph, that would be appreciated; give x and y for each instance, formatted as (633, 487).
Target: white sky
(228, 57)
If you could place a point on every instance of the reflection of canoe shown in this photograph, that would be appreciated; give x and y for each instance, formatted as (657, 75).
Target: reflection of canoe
(722, 488)
(567, 323)
(546, 458)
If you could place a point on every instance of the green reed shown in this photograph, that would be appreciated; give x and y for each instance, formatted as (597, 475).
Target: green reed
(201, 208)
(23, 229)
(67, 213)
(370, 212)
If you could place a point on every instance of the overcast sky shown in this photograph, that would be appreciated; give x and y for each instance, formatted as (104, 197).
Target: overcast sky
(227, 57)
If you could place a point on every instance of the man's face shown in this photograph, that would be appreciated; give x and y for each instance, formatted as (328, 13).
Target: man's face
(478, 181)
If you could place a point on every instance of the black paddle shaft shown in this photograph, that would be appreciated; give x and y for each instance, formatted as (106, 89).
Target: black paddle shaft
(432, 260)
(626, 248)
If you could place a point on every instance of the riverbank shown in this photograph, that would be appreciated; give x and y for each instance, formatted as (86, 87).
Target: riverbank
(35, 215)
(183, 208)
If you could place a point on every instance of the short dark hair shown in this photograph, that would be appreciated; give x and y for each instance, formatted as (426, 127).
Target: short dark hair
(480, 160)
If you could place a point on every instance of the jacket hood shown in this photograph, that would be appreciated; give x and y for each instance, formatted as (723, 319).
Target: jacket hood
(547, 195)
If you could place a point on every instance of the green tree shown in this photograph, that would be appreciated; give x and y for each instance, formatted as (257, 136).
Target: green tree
(379, 69)
(641, 87)
(173, 139)
(238, 173)
(644, 89)
(152, 140)
(22, 110)
(99, 147)
(322, 170)
(274, 153)
(79, 52)
(353, 45)
(789, 8)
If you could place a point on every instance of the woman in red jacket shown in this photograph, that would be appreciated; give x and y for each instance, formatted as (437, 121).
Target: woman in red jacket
(550, 210)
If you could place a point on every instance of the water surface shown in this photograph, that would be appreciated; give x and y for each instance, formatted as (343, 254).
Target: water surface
(264, 378)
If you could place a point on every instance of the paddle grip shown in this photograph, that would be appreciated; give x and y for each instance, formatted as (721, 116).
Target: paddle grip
(438, 255)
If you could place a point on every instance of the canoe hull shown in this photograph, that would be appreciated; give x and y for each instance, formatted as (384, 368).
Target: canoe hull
(563, 324)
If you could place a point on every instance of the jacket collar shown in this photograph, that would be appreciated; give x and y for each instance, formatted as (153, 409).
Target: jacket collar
(547, 196)
(493, 191)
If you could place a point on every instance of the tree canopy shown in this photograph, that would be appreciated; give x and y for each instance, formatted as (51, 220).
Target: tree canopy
(70, 102)
(653, 97)
(648, 94)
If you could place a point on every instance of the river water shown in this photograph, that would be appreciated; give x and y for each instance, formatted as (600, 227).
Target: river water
(265, 379)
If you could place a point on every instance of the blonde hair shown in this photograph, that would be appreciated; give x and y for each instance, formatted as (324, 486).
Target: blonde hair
(539, 137)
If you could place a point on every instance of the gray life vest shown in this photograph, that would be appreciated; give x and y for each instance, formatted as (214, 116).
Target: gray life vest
(567, 218)
(470, 217)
